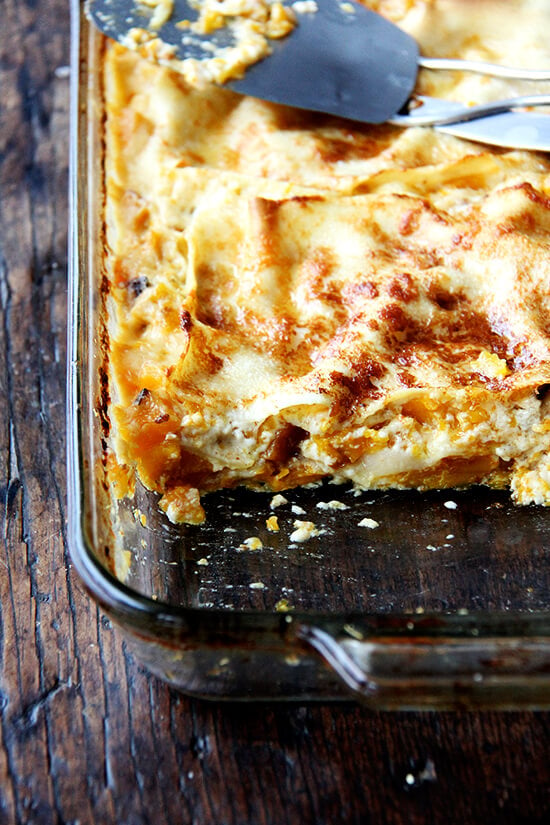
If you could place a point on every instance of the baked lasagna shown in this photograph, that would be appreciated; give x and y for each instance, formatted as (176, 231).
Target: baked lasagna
(293, 297)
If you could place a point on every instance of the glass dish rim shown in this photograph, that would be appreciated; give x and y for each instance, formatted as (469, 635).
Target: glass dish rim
(145, 615)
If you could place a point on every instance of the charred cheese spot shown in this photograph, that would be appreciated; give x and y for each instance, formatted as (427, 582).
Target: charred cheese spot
(403, 288)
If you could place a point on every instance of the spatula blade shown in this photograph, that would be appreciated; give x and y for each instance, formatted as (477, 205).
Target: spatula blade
(343, 59)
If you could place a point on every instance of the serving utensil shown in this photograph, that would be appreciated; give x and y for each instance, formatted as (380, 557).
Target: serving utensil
(346, 60)
(508, 123)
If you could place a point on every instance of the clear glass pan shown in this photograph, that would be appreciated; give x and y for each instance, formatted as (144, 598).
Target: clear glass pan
(443, 605)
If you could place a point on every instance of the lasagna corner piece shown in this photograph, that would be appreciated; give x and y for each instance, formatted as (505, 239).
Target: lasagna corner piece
(296, 298)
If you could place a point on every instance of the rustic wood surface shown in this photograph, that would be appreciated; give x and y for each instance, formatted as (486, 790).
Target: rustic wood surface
(87, 735)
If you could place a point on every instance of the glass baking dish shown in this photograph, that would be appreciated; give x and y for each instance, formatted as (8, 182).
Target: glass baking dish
(443, 604)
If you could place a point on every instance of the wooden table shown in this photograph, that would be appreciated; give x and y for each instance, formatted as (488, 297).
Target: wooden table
(87, 735)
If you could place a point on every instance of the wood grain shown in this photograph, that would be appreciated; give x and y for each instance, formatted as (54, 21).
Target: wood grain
(87, 735)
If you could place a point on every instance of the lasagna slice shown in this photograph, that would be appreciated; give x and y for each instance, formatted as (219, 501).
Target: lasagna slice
(293, 298)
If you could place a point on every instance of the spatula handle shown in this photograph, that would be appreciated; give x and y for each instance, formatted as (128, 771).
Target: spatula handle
(431, 111)
(515, 122)
(481, 67)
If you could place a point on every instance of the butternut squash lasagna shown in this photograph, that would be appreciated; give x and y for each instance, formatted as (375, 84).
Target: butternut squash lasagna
(293, 297)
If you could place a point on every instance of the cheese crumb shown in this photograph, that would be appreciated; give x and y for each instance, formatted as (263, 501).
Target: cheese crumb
(278, 501)
(332, 505)
(305, 7)
(369, 522)
(252, 543)
(272, 524)
(162, 11)
(304, 530)
(141, 517)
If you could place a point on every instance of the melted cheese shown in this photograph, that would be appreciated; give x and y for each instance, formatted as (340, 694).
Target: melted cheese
(295, 297)
(250, 24)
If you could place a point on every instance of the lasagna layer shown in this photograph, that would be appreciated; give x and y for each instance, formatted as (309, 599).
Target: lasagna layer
(294, 297)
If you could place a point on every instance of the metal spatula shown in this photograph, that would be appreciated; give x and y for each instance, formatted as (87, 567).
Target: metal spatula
(342, 59)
